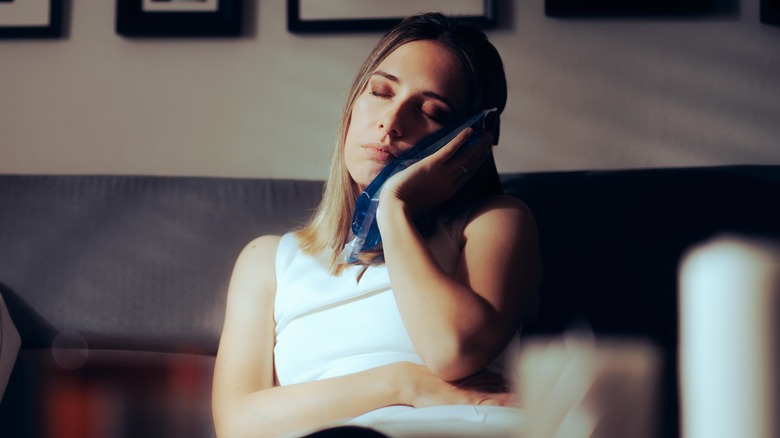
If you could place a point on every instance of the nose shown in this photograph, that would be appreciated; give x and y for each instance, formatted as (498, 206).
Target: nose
(391, 123)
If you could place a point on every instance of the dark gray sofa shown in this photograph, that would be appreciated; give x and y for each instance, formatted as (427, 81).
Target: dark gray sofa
(117, 284)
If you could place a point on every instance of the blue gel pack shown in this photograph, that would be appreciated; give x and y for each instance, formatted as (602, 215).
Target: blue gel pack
(364, 227)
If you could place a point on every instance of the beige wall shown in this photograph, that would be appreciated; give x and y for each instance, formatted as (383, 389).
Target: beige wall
(584, 94)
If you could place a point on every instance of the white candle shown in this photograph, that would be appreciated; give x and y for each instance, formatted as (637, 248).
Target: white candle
(729, 289)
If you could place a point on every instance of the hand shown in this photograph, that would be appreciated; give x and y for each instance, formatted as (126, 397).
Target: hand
(423, 388)
(438, 177)
(485, 381)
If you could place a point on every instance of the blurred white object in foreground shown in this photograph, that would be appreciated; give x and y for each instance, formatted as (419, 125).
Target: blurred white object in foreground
(729, 289)
(580, 387)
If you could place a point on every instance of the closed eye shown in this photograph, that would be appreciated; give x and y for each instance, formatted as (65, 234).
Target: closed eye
(435, 114)
(378, 87)
(432, 117)
(380, 94)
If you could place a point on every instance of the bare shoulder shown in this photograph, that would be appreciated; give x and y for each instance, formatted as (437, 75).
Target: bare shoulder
(259, 252)
(501, 212)
(501, 246)
(502, 202)
(261, 247)
(254, 270)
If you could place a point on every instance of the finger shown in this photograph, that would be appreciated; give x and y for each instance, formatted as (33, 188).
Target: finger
(479, 150)
(485, 381)
(465, 167)
(500, 400)
(449, 149)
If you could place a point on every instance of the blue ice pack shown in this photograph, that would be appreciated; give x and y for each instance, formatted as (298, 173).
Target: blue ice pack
(364, 227)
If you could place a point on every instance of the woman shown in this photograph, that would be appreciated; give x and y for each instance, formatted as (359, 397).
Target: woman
(309, 340)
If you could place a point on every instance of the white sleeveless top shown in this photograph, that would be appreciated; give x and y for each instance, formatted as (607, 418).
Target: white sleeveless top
(328, 326)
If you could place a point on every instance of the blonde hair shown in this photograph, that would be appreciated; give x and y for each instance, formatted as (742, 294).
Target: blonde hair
(329, 229)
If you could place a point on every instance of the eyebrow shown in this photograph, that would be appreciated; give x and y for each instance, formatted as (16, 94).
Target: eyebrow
(437, 96)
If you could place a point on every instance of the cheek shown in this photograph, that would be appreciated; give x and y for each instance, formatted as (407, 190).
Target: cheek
(359, 122)
(351, 142)
(361, 114)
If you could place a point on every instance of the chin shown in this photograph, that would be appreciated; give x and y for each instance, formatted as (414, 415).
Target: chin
(364, 178)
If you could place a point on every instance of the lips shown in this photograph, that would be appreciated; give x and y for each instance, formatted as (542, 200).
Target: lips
(379, 152)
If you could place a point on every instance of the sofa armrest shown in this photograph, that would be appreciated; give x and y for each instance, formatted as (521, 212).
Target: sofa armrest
(9, 346)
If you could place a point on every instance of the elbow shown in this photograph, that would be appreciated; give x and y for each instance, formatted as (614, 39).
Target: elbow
(456, 358)
(463, 353)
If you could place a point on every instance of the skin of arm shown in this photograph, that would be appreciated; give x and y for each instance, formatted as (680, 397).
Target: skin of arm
(458, 324)
(245, 401)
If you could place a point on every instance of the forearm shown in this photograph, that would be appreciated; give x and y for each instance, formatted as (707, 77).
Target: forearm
(448, 322)
(284, 409)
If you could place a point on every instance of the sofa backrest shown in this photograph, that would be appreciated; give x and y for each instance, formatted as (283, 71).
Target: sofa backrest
(612, 240)
(142, 262)
(130, 262)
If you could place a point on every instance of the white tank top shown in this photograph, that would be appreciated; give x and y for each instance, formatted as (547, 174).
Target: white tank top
(328, 326)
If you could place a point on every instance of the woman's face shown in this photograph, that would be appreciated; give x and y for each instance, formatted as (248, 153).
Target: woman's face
(415, 91)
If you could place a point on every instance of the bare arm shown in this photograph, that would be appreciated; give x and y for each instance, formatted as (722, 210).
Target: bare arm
(245, 400)
(459, 324)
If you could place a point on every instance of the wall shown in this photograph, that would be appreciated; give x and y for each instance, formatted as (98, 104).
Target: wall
(584, 94)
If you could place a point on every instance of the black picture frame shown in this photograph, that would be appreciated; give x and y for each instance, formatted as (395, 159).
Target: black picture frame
(770, 11)
(600, 8)
(298, 23)
(172, 18)
(31, 19)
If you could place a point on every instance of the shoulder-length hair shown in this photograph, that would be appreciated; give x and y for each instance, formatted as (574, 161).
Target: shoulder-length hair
(329, 229)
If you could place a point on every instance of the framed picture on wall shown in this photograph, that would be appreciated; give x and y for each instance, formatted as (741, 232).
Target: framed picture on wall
(576, 8)
(178, 18)
(308, 16)
(770, 11)
(30, 18)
